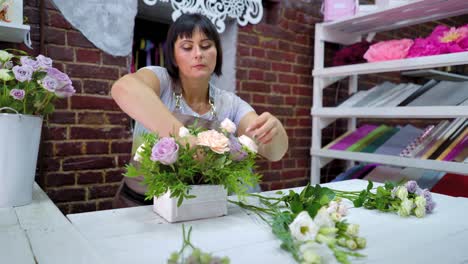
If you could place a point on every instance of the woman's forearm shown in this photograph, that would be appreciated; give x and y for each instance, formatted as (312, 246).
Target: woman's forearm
(141, 103)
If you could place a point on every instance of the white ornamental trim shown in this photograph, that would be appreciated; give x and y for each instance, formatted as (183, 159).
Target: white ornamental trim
(245, 11)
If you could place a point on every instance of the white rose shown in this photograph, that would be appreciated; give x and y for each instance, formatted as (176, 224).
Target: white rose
(323, 219)
(310, 257)
(5, 75)
(183, 132)
(407, 204)
(420, 202)
(5, 56)
(138, 153)
(303, 227)
(420, 212)
(402, 193)
(216, 141)
(248, 143)
(228, 125)
(352, 230)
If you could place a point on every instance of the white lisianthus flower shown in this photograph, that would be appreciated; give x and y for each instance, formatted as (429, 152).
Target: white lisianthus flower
(183, 132)
(138, 153)
(351, 244)
(420, 212)
(402, 192)
(361, 242)
(335, 216)
(248, 143)
(332, 207)
(408, 204)
(352, 230)
(323, 219)
(310, 257)
(5, 56)
(228, 125)
(420, 202)
(303, 227)
(5, 75)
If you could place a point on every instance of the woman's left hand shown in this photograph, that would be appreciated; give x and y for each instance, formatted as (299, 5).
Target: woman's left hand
(264, 128)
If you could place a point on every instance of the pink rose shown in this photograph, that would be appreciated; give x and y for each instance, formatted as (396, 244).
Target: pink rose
(228, 125)
(388, 50)
(216, 141)
(18, 94)
(165, 151)
(248, 143)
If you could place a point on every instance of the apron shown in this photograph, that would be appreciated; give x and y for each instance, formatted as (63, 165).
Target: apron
(131, 193)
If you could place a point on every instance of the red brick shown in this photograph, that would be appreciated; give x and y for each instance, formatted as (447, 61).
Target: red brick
(121, 147)
(287, 78)
(276, 185)
(49, 4)
(254, 63)
(301, 70)
(282, 67)
(281, 56)
(259, 53)
(292, 174)
(275, 100)
(247, 39)
(60, 179)
(76, 39)
(68, 148)
(123, 159)
(296, 183)
(66, 194)
(289, 163)
(270, 77)
(102, 191)
(54, 133)
(91, 118)
(255, 87)
(87, 55)
(114, 61)
(304, 60)
(82, 207)
(282, 111)
(93, 72)
(259, 99)
(307, 122)
(243, 51)
(245, 96)
(88, 163)
(56, 19)
(97, 147)
(276, 165)
(285, 46)
(62, 118)
(64, 208)
(281, 89)
(269, 43)
(60, 53)
(114, 175)
(105, 204)
(255, 75)
(302, 132)
(32, 14)
(291, 122)
(241, 74)
(89, 177)
(307, 91)
(304, 163)
(98, 133)
(271, 176)
(54, 36)
(305, 152)
(118, 118)
(94, 103)
(265, 186)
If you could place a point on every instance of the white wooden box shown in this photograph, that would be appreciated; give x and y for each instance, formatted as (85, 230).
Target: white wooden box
(210, 201)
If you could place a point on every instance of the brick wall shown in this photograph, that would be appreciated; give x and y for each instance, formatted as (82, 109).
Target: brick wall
(86, 142)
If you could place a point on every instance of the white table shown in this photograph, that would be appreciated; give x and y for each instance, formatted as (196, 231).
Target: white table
(39, 233)
(137, 235)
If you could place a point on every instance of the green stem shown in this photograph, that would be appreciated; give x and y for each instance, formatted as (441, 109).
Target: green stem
(264, 197)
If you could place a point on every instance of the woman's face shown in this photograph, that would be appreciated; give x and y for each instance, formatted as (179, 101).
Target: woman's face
(195, 57)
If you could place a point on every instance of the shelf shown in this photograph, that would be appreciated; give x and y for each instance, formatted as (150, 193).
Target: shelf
(13, 32)
(437, 75)
(394, 65)
(452, 167)
(390, 18)
(428, 112)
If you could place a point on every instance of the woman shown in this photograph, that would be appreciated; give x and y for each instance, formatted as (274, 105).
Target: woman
(161, 99)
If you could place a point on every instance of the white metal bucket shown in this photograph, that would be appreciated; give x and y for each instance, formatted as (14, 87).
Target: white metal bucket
(19, 147)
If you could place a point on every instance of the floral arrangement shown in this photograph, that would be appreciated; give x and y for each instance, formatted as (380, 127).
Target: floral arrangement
(173, 164)
(351, 54)
(30, 85)
(310, 221)
(442, 40)
(197, 256)
(388, 50)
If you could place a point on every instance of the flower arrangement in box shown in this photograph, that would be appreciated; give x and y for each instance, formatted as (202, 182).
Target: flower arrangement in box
(172, 164)
(30, 85)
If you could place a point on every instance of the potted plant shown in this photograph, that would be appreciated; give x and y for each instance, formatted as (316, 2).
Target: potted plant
(191, 181)
(29, 87)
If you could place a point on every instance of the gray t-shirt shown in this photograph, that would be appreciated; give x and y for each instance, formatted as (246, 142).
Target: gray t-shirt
(227, 104)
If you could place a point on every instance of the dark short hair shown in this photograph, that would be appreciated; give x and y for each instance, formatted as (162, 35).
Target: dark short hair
(183, 27)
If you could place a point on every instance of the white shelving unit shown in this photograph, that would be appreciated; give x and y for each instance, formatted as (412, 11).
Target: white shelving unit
(352, 30)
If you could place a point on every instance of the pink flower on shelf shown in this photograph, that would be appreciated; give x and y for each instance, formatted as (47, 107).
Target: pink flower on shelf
(165, 151)
(454, 35)
(388, 50)
(18, 94)
(424, 47)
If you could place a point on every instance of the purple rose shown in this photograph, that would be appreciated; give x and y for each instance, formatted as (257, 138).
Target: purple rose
(411, 186)
(430, 206)
(236, 151)
(29, 62)
(58, 75)
(44, 62)
(23, 73)
(18, 94)
(65, 91)
(50, 84)
(165, 151)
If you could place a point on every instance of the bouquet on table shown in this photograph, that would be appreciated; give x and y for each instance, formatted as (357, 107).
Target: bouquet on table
(172, 164)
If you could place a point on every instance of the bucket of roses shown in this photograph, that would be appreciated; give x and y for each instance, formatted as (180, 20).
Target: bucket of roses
(191, 180)
(29, 87)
